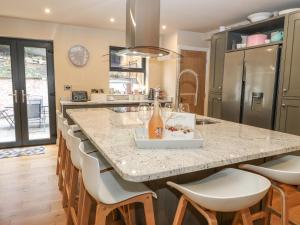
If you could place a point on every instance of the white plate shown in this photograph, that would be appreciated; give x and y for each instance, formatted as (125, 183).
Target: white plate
(142, 141)
(259, 16)
(286, 11)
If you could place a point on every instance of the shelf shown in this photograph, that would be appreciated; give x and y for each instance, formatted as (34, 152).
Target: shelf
(271, 23)
(256, 46)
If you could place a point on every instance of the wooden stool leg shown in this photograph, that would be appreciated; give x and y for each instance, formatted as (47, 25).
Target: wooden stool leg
(268, 206)
(66, 188)
(131, 214)
(246, 217)
(101, 214)
(81, 197)
(62, 164)
(180, 212)
(73, 193)
(210, 216)
(236, 219)
(148, 207)
(86, 209)
(58, 153)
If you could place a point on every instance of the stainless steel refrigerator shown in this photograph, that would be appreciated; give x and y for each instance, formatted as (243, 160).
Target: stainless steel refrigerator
(250, 86)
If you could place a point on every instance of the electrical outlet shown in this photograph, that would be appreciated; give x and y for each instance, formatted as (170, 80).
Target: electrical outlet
(67, 87)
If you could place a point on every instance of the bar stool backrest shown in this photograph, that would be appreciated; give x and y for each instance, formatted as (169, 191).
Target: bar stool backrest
(74, 147)
(90, 172)
(60, 120)
(65, 128)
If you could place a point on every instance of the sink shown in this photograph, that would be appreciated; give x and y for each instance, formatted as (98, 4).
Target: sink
(205, 121)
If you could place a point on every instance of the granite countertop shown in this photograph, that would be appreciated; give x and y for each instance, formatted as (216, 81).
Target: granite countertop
(106, 102)
(225, 143)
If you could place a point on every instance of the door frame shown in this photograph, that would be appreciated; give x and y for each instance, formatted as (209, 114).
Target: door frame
(19, 82)
(196, 49)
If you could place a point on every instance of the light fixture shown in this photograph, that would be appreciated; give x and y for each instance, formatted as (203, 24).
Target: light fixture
(112, 20)
(47, 10)
(164, 27)
(160, 55)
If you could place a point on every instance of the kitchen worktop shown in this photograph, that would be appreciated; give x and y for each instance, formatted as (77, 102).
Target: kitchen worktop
(107, 102)
(225, 143)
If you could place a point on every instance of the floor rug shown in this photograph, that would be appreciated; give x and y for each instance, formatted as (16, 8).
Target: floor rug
(17, 152)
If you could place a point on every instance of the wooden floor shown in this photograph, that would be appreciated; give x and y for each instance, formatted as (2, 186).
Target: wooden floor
(29, 194)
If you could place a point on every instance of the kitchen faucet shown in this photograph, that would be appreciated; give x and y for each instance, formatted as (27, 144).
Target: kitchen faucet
(188, 93)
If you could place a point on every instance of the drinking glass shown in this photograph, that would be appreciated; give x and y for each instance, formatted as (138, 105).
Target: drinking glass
(169, 107)
(184, 107)
(144, 112)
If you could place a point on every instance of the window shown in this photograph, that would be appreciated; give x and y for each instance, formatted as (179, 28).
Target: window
(127, 73)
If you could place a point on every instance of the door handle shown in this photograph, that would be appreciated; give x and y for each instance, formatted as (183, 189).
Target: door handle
(283, 105)
(15, 95)
(24, 95)
(284, 90)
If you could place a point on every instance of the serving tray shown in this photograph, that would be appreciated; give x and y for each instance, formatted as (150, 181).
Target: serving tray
(191, 141)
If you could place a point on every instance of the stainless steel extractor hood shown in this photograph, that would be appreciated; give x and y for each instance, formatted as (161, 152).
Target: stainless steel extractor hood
(143, 29)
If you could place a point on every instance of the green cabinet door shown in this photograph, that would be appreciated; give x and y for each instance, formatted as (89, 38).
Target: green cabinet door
(214, 105)
(289, 118)
(291, 74)
(217, 56)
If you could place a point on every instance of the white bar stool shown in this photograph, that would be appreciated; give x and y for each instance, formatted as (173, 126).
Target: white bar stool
(75, 138)
(284, 173)
(68, 163)
(229, 190)
(112, 192)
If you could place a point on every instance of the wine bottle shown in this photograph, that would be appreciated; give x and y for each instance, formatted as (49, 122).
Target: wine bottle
(155, 127)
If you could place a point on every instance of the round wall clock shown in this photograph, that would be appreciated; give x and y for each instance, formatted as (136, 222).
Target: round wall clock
(78, 55)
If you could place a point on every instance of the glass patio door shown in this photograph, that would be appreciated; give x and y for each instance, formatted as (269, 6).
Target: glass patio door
(31, 119)
(10, 126)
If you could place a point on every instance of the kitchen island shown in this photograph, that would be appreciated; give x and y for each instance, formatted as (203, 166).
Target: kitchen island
(68, 104)
(225, 144)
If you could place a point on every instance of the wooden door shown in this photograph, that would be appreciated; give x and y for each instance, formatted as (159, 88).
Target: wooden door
(291, 78)
(289, 121)
(196, 61)
(217, 55)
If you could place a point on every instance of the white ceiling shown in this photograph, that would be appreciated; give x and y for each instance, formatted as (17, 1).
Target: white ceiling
(193, 15)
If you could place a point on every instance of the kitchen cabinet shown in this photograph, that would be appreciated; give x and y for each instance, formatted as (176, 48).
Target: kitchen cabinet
(217, 55)
(214, 105)
(289, 117)
(291, 71)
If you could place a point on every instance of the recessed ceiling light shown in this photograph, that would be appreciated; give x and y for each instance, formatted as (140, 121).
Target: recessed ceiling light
(47, 10)
(164, 27)
(112, 20)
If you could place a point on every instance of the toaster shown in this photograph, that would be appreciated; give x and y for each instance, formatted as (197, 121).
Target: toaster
(79, 96)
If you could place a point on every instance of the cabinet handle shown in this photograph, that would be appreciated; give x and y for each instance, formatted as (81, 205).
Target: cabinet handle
(220, 87)
(219, 99)
(283, 105)
(284, 90)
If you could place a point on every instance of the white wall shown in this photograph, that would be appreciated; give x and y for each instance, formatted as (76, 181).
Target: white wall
(170, 66)
(95, 74)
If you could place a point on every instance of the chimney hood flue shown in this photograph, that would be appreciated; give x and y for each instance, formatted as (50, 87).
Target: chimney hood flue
(143, 29)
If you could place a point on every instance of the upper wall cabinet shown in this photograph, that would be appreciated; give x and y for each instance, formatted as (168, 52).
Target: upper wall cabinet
(291, 74)
(217, 55)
